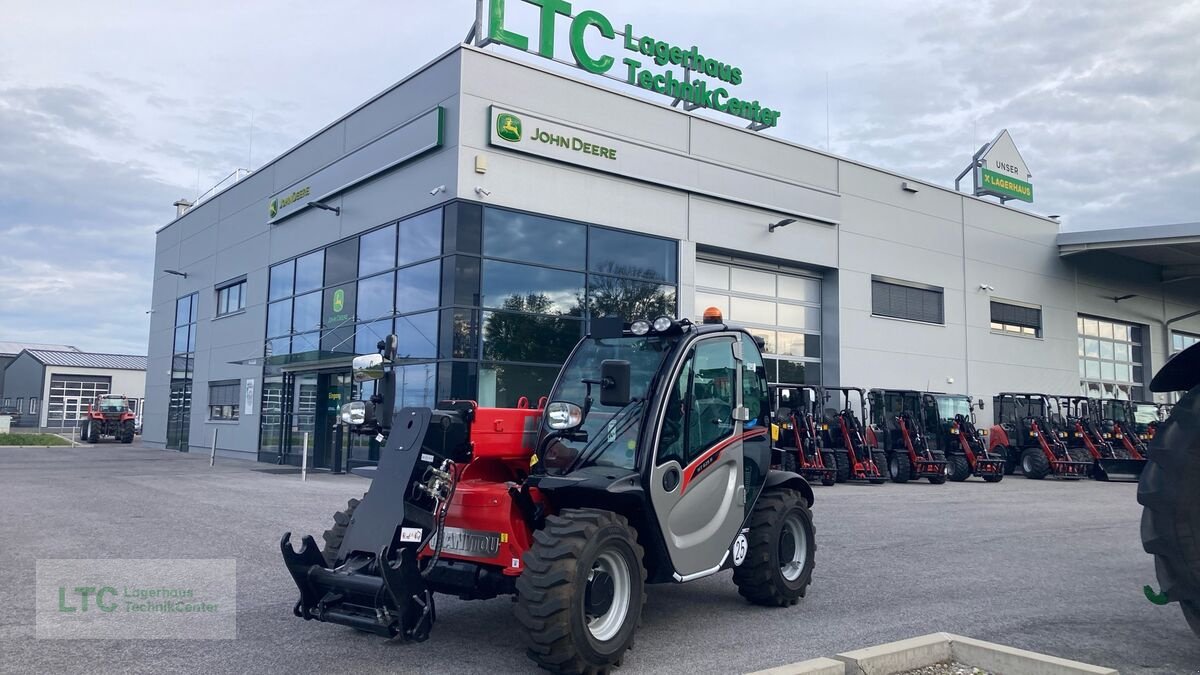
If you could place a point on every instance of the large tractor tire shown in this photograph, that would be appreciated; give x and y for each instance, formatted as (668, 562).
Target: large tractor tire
(334, 535)
(782, 551)
(939, 479)
(958, 468)
(829, 459)
(83, 430)
(880, 459)
(580, 597)
(1171, 499)
(841, 467)
(126, 431)
(899, 467)
(1034, 464)
(93, 430)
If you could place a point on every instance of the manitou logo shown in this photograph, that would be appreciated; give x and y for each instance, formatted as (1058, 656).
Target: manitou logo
(508, 127)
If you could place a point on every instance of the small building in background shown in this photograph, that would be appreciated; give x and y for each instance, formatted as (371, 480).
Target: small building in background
(8, 353)
(53, 387)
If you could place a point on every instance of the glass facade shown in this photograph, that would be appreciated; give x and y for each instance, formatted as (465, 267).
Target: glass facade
(781, 307)
(1181, 341)
(1110, 359)
(179, 407)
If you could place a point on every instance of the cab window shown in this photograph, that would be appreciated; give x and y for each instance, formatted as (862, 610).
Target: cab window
(699, 410)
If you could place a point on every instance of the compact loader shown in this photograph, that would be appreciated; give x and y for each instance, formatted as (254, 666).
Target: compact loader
(651, 463)
(950, 422)
(841, 432)
(1083, 427)
(1130, 424)
(108, 416)
(1025, 436)
(794, 427)
(897, 428)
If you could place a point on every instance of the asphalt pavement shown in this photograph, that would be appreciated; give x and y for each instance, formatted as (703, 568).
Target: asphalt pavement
(1044, 565)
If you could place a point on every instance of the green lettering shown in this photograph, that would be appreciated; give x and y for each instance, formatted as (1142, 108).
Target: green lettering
(613, 154)
(646, 80)
(676, 56)
(646, 45)
(735, 77)
(660, 84)
(577, 143)
(734, 106)
(717, 95)
(579, 48)
(630, 43)
(550, 8)
(497, 32)
(662, 52)
(633, 68)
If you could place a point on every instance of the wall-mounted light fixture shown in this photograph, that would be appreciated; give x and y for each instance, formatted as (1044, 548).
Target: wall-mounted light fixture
(176, 273)
(337, 211)
(481, 192)
(783, 223)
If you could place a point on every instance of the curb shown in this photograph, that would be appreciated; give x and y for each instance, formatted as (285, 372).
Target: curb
(926, 650)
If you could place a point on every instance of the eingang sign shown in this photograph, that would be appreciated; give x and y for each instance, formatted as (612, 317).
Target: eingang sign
(699, 92)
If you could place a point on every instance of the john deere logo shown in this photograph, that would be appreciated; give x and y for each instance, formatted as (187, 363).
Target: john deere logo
(273, 207)
(339, 300)
(508, 127)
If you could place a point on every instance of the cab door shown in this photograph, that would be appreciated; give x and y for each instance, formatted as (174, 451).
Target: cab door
(697, 480)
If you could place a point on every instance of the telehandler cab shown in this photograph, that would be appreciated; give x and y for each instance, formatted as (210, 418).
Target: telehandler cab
(897, 428)
(950, 422)
(799, 441)
(649, 464)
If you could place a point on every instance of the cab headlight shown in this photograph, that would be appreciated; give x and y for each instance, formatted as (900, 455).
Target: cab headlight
(663, 324)
(639, 327)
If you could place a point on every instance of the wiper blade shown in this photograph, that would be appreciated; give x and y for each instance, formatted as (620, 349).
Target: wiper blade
(599, 442)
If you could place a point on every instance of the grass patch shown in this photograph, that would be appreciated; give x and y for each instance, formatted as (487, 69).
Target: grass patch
(32, 439)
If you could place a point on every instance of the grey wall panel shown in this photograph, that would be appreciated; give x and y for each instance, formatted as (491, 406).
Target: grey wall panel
(196, 248)
(399, 193)
(759, 152)
(250, 192)
(315, 153)
(241, 225)
(497, 79)
(248, 256)
(195, 221)
(25, 378)
(884, 188)
(879, 220)
(154, 413)
(414, 96)
(988, 215)
(725, 225)
(1016, 253)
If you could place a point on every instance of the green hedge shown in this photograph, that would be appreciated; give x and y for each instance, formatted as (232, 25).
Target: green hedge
(32, 439)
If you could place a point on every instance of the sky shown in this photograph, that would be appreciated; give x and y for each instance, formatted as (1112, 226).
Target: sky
(109, 112)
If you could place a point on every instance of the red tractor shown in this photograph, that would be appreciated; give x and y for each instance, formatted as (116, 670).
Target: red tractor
(108, 415)
(950, 420)
(1025, 436)
(798, 441)
(1083, 426)
(651, 463)
(897, 428)
(841, 431)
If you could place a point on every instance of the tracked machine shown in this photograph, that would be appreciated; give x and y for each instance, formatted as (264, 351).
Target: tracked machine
(897, 429)
(1025, 436)
(798, 441)
(651, 463)
(950, 421)
(842, 433)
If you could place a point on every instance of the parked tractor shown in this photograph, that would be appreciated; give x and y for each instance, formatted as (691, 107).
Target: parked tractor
(108, 416)
(897, 428)
(842, 433)
(1169, 490)
(1130, 424)
(1025, 436)
(649, 464)
(1083, 428)
(950, 422)
(798, 441)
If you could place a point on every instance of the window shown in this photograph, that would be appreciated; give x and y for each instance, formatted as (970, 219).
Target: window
(20, 403)
(1110, 359)
(377, 251)
(34, 406)
(700, 406)
(224, 398)
(231, 298)
(900, 300)
(1181, 341)
(7, 402)
(1016, 319)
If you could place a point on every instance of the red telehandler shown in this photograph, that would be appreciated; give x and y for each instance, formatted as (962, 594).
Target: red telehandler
(799, 442)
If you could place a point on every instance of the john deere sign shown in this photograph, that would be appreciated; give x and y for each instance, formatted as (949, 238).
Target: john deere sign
(707, 84)
(1000, 171)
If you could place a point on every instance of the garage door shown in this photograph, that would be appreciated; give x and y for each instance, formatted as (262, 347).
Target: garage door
(780, 305)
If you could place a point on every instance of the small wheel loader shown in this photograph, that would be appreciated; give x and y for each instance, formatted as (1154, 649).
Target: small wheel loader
(1025, 436)
(1083, 427)
(897, 428)
(794, 428)
(841, 430)
(651, 463)
(950, 420)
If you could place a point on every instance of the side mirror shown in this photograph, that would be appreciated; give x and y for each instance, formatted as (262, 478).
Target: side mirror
(979, 404)
(614, 387)
(367, 367)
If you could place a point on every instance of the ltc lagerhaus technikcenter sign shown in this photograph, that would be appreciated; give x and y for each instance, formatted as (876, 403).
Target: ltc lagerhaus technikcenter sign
(699, 92)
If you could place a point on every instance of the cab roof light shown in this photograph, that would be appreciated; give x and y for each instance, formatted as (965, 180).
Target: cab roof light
(713, 315)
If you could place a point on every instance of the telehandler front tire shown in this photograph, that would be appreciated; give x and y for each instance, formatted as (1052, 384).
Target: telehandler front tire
(779, 563)
(581, 593)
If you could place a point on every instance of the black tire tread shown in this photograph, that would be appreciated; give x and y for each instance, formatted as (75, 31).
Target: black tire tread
(1040, 466)
(941, 479)
(337, 532)
(903, 467)
(755, 576)
(960, 468)
(880, 459)
(1171, 506)
(830, 461)
(841, 467)
(545, 588)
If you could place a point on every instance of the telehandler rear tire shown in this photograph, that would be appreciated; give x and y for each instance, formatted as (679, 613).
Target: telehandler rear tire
(960, 468)
(1171, 506)
(779, 563)
(580, 596)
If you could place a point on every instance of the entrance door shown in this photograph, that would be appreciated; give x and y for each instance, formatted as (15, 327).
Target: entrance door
(179, 415)
(697, 484)
(333, 390)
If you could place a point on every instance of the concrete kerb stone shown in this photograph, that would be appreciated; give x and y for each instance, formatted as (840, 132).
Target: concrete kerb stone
(926, 650)
(821, 666)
